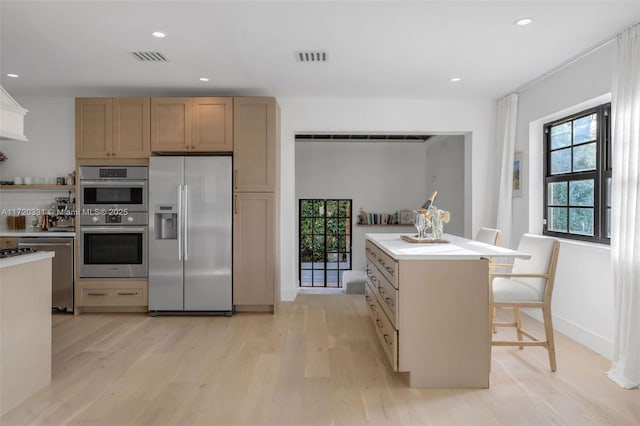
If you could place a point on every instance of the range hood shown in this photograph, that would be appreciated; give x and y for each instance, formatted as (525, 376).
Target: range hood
(11, 118)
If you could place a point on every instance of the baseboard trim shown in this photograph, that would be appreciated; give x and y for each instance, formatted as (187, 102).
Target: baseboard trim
(588, 338)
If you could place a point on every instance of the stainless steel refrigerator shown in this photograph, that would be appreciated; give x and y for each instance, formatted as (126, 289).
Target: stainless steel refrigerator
(190, 229)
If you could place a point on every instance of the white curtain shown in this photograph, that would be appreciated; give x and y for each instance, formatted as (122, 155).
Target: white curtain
(506, 118)
(625, 241)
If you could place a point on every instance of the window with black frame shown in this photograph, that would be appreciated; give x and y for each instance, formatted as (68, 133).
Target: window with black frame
(577, 193)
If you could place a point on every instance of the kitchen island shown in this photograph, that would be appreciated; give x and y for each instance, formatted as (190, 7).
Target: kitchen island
(25, 327)
(429, 303)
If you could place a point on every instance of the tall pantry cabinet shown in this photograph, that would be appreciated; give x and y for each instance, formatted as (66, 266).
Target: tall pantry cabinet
(255, 185)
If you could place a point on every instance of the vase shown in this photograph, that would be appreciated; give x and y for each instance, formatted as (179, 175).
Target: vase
(437, 225)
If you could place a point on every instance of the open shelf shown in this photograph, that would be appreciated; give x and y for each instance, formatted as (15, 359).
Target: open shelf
(39, 187)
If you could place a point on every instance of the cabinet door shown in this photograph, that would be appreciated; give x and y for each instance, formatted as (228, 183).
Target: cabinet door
(93, 127)
(212, 124)
(253, 249)
(171, 124)
(254, 153)
(131, 118)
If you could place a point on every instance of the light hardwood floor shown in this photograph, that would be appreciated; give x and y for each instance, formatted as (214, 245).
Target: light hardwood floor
(317, 361)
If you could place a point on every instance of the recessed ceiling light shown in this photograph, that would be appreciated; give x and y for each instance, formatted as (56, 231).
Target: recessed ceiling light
(158, 34)
(203, 79)
(13, 75)
(454, 79)
(524, 21)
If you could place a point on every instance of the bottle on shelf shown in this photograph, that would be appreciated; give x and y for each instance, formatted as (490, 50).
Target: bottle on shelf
(430, 200)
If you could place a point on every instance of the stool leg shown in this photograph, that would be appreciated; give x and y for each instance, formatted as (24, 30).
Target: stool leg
(516, 314)
(548, 333)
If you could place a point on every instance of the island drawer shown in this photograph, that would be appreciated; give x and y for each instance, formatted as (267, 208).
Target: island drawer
(387, 294)
(385, 263)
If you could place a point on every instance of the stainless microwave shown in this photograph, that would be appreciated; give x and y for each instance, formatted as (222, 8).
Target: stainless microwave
(112, 187)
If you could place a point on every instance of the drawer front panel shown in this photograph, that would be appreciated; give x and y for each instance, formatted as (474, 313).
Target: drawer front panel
(113, 297)
(384, 262)
(387, 295)
(388, 337)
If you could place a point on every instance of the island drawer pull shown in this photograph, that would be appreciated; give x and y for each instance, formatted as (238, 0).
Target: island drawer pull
(97, 294)
(389, 269)
(387, 339)
(380, 325)
(127, 293)
(381, 290)
(389, 301)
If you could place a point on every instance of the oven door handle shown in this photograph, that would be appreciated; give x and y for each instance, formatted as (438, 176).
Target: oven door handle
(113, 229)
(113, 182)
(179, 221)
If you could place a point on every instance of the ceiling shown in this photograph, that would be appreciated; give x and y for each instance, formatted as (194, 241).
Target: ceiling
(375, 48)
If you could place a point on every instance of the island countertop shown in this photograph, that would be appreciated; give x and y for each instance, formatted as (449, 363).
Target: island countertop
(25, 258)
(457, 248)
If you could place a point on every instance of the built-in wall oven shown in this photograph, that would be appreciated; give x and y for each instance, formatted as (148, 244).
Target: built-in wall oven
(113, 222)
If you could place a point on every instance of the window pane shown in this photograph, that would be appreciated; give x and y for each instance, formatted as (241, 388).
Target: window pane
(318, 246)
(585, 129)
(557, 219)
(318, 226)
(305, 225)
(345, 208)
(558, 193)
(561, 161)
(608, 192)
(332, 208)
(581, 192)
(318, 278)
(332, 243)
(584, 157)
(561, 135)
(318, 208)
(581, 221)
(307, 208)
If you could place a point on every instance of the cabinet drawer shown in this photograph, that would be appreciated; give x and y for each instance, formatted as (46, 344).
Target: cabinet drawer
(387, 294)
(95, 293)
(6, 242)
(388, 337)
(385, 263)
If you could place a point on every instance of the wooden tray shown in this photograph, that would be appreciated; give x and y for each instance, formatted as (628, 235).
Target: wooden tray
(412, 239)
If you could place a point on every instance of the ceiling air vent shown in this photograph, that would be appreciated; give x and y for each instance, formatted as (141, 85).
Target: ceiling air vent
(149, 56)
(312, 56)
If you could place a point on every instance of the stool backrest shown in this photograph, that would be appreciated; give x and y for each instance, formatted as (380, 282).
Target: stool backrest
(544, 258)
(489, 236)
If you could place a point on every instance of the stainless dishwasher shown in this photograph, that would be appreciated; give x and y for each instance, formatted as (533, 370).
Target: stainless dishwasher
(61, 265)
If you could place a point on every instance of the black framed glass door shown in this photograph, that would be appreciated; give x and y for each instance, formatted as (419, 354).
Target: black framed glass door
(324, 241)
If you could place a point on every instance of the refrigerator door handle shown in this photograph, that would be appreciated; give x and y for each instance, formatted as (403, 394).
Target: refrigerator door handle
(186, 222)
(179, 221)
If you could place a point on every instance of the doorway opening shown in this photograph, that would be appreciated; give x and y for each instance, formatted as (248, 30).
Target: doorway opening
(324, 241)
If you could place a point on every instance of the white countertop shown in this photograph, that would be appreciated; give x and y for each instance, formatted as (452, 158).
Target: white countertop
(30, 233)
(25, 258)
(457, 248)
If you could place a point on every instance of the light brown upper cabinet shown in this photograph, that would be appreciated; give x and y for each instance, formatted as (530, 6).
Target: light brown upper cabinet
(254, 152)
(192, 124)
(112, 127)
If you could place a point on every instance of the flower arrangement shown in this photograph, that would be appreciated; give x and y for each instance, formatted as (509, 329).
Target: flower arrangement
(438, 217)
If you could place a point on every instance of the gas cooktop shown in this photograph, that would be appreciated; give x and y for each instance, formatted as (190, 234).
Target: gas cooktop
(11, 252)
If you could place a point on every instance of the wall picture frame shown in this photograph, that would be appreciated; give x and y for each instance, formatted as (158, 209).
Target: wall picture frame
(405, 217)
(517, 175)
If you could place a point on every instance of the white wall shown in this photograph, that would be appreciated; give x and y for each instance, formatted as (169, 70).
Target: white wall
(446, 174)
(378, 177)
(583, 297)
(50, 152)
(474, 118)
